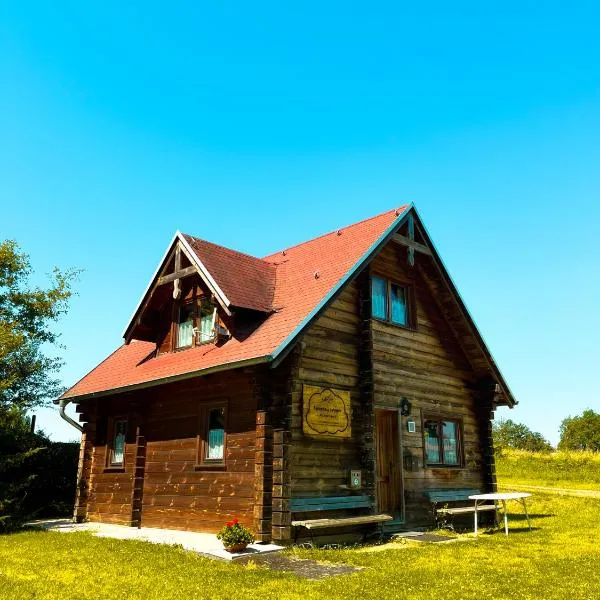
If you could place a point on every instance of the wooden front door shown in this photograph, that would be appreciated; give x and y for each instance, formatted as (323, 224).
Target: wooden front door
(389, 476)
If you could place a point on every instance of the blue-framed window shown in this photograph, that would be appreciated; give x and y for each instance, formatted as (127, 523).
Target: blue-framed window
(392, 302)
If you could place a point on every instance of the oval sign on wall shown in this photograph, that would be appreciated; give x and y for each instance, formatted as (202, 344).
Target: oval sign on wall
(326, 412)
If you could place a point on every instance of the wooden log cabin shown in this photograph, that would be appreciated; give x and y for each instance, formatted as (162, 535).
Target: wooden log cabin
(340, 379)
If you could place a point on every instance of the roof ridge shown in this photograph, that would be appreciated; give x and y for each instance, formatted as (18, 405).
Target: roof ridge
(193, 237)
(399, 210)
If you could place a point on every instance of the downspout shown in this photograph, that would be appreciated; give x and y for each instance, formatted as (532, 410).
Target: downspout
(62, 404)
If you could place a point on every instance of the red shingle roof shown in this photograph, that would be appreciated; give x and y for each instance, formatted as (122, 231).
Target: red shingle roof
(284, 281)
(247, 281)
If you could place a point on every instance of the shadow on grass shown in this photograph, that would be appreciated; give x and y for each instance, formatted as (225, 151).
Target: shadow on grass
(511, 530)
(522, 517)
(23, 529)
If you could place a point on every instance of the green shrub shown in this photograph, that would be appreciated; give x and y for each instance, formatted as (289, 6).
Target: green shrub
(37, 476)
(234, 533)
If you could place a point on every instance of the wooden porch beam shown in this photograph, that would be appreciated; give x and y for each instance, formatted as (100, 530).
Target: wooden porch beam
(404, 241)
(180, 274)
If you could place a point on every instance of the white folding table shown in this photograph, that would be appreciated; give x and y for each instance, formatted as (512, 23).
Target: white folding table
(502, 497)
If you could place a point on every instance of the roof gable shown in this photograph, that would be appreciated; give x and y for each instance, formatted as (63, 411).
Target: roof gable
(235, 279)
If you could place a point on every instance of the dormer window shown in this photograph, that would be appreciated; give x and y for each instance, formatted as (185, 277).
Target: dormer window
(207, 313)
(185, 327)
(196, 323)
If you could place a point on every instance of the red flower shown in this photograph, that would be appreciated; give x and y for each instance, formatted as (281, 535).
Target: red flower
(232, 523)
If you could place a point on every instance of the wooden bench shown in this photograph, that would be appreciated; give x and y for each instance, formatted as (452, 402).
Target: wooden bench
(325, 503)
(447, 496)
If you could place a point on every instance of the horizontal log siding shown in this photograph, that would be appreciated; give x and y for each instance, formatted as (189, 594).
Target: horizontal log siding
(329, 358)
(429, 368)
(177, 495)
(110, 492)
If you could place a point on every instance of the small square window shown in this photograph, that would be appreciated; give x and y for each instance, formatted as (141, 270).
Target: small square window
(393, 302)
(442, 442)
(196, 323)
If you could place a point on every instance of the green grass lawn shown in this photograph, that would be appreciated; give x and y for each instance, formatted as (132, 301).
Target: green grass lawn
(559, 559)
(579, 470)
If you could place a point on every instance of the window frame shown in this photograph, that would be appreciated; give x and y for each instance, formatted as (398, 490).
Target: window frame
(202, 462)
(410, 298)
(111, 465)
(196, 304)
(459, 435)
(179, 306)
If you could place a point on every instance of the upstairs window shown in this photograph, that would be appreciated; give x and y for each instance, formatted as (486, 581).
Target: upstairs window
(207, 313)
(392, 302)
(117, 443)
(185, 325)
(398, 305)
(442, 442)
(196, 323)
(379, 298)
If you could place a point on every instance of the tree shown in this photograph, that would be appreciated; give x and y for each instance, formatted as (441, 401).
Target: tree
(27, 375)
(28, 379)
(581, 433)
(508, 434)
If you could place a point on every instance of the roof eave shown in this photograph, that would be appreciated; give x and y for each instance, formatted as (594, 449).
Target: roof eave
(498, 377)
(170, 379)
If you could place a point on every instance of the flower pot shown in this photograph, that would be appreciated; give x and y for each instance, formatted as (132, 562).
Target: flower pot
(236, 548)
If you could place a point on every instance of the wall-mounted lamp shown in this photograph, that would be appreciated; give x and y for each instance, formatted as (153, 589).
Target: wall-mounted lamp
(405, 407)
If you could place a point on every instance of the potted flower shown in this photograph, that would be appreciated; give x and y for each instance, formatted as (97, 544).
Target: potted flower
(235, 536)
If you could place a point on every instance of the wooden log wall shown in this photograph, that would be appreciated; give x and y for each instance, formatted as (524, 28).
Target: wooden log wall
(84, 465)
(329, 358)
(428, 367)
(110, 490)
(178, 494)
(161, 484)
(137, 492)
(485, 412)
(284, 383)
(263, 469)
(366, 387)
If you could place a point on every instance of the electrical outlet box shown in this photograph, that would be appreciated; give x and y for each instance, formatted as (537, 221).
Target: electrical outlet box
(412, 426)
(355, 479)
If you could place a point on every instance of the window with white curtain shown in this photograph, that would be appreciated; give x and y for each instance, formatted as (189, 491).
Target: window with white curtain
(212, 436)
(185, 329)
(215, 443)
(117, 446)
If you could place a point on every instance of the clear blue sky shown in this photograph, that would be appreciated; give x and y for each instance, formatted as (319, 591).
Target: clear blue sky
(258, 125)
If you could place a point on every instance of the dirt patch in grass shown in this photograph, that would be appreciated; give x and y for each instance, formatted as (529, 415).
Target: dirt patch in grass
(309, 569)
